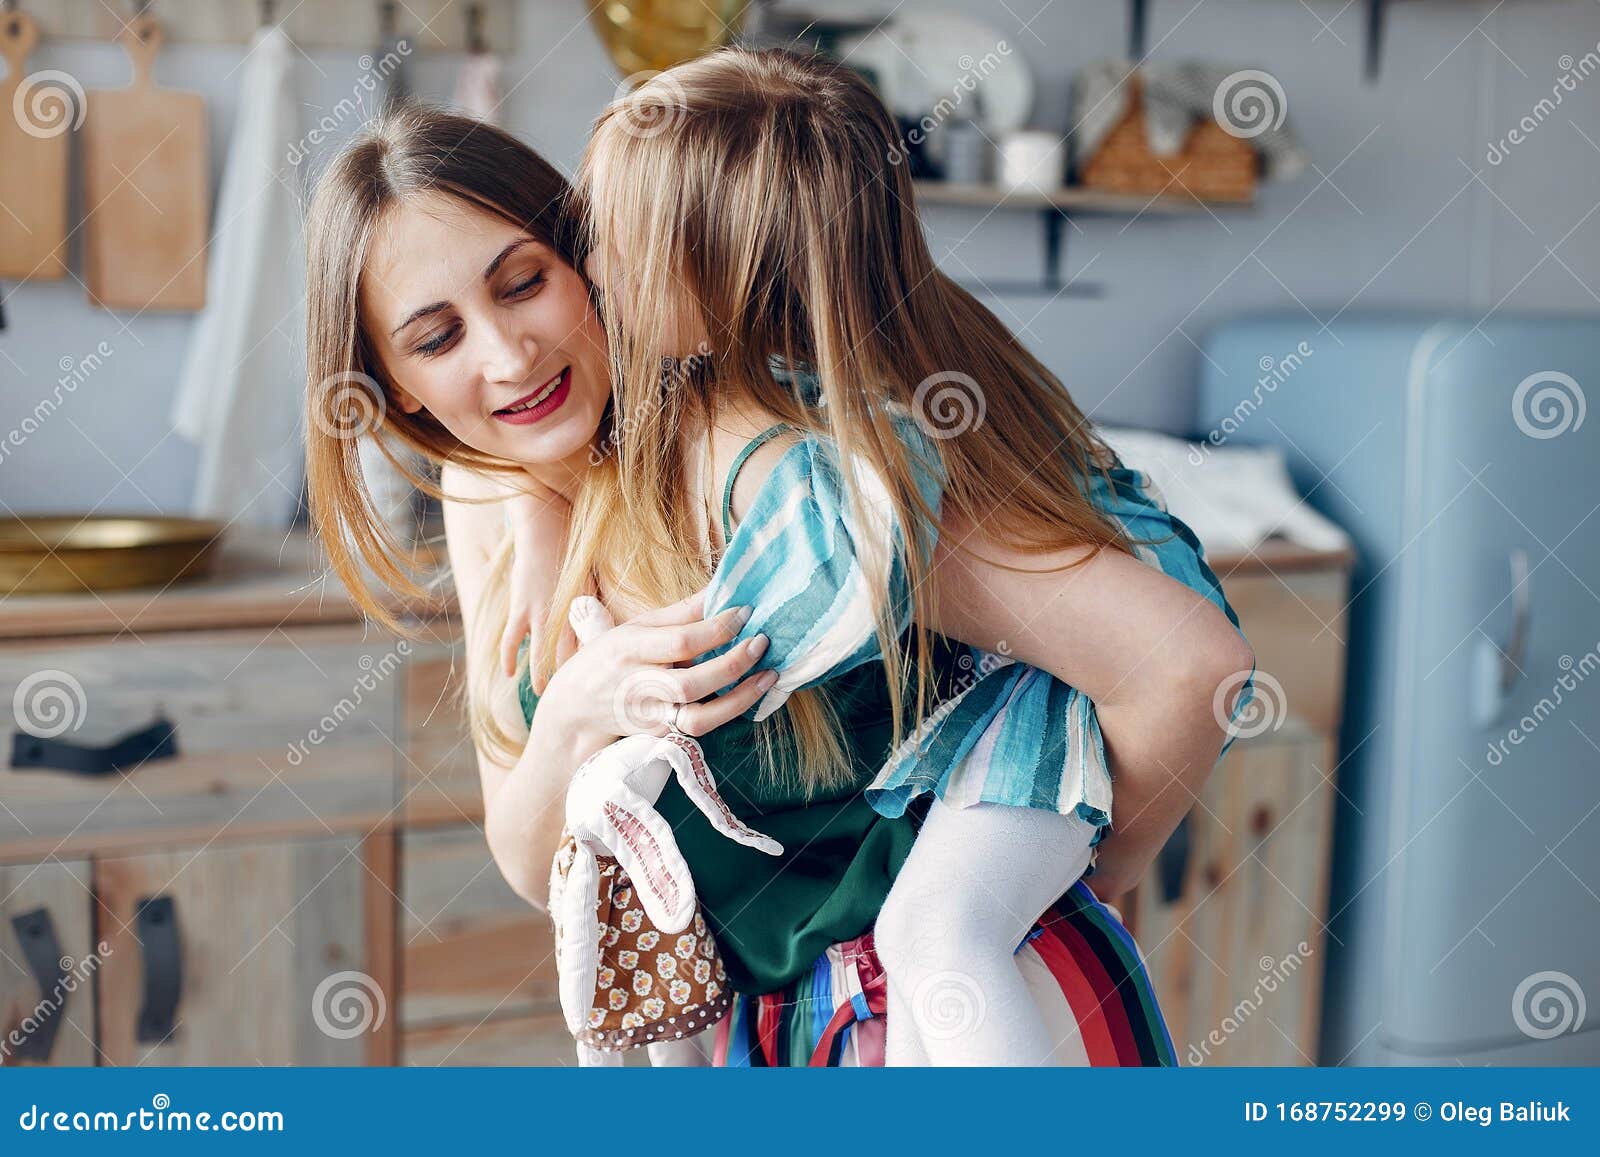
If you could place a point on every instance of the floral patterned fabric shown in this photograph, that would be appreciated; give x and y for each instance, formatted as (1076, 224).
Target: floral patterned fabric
(651, 985)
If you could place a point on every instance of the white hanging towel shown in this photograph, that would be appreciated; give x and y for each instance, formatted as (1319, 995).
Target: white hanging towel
(478, 87)
(240, 395)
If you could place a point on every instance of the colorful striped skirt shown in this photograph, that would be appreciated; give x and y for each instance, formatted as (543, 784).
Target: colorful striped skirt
(1084, 969)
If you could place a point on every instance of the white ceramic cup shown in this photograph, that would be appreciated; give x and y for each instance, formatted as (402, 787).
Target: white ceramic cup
(1033, 160)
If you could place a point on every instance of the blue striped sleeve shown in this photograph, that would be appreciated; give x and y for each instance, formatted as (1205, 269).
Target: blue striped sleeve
(797, 560)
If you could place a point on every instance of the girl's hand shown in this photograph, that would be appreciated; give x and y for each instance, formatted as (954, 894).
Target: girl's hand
(631, 679)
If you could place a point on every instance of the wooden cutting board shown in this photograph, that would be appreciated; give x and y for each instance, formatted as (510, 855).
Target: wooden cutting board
(35, 116)
(146, 192)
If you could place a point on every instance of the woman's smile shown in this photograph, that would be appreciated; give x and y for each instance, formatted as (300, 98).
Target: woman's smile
(541, 403)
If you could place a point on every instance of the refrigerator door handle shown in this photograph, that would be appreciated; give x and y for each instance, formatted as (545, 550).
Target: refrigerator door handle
(1496, 669)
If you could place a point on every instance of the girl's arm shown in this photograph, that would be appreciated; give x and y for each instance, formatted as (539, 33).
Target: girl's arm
(523, 811)
(1149, 652)
(537, 523)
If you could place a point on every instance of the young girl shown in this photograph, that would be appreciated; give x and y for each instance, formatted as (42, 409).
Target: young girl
(751, 234)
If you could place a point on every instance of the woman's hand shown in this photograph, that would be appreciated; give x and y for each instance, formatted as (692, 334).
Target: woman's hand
(632, 679)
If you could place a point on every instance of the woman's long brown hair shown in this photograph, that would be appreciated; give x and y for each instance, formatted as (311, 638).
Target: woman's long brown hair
(404, 153)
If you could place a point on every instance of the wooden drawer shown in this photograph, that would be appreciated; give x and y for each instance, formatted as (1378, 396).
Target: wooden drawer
(275, 732)
(440, 767)
(50, 905)
(283, 947)
(1237, 958)
(471, 947)
(1295, 622)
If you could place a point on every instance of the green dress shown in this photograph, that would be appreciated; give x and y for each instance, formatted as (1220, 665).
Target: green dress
(773, 916)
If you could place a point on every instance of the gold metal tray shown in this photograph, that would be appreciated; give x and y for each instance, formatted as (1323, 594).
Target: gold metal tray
(55, 553)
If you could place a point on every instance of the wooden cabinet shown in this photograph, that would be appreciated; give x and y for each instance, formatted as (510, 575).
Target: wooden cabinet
(276, 731)
(1236, 955)
(478, 963)
(48, 961)
(198, 811)
(439, 779)
(1232, 919)
(273, 954)
(301, 877)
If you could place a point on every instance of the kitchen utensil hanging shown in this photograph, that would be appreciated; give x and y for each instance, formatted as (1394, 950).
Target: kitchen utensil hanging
(146, 192)
(33, 143)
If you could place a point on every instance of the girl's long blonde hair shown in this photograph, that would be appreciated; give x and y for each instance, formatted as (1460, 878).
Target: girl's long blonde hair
(404, 153)
(756, 195)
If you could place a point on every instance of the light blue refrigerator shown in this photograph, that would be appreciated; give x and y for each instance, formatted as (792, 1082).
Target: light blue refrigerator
(1459, 454)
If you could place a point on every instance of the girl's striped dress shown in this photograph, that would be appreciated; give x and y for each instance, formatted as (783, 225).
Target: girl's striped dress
(1084, 971)
(1014, 734)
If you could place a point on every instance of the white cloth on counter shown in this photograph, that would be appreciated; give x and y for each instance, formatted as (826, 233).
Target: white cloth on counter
(1233, 497)
(239, 396)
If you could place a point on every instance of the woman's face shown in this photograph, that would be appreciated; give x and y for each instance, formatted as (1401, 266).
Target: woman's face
(488, 329)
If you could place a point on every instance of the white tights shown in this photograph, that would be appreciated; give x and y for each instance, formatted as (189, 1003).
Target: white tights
(973, 884)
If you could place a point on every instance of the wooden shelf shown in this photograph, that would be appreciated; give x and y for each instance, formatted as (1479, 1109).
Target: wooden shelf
(1072, 200)
(1054, 209)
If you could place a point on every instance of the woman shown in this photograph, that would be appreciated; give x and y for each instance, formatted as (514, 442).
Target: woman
(443, 289)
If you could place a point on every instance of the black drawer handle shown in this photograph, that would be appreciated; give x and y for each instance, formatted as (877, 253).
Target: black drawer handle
(1172, 864)
(157, 741)
(157, 922)
(36, 932)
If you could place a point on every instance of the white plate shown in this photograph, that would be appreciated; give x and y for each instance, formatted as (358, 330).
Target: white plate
(921, 58)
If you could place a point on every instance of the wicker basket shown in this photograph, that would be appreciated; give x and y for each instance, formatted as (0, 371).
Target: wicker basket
(1211, 166)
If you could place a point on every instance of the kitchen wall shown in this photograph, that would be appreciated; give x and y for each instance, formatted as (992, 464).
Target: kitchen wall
(1402, 209)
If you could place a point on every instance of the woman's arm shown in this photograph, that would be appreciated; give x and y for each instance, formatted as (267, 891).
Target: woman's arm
(1149, 652)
